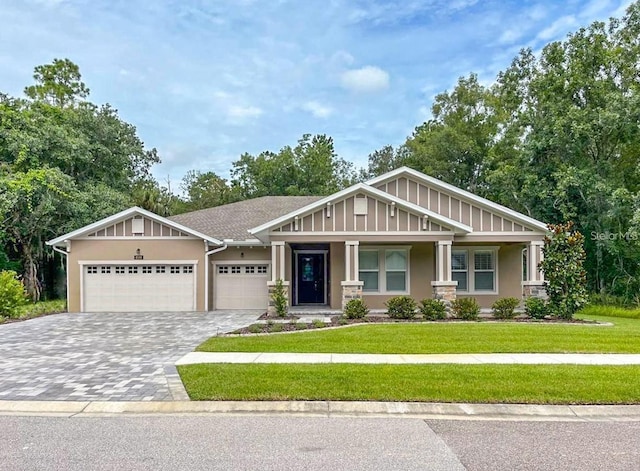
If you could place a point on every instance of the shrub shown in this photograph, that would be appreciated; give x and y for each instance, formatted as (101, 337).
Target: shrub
(465, 308)
(12, 294)
(276, 327)
(317, 323)
(433, 309)
(279, 298)
(355, 309)
(536, 308)
(504, 308)
(300, 326)
(401, 307)
(563, 262)
(256, 328)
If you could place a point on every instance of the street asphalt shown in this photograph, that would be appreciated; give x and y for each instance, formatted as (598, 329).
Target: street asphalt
(311, 443)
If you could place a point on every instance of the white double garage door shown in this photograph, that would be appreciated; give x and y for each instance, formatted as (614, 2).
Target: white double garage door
(170, 287)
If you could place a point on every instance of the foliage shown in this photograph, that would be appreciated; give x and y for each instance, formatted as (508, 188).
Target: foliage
(58, 84)
(536, 308)
(310, 168)
(12, 294)
(563, 269)
(355, 309)
(433, 309)
(206, 190)
(280, 299)
(466, 309)
(318, 324)
(401, 307)
(504, 308)
(609, 311)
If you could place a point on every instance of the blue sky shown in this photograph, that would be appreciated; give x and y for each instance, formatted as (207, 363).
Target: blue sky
(205, 81)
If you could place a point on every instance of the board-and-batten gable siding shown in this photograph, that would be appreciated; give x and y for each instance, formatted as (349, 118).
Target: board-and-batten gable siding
(151, 229)
(378, 219)
(450, 206)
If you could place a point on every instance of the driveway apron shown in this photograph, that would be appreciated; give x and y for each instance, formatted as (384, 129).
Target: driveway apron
(104, 356)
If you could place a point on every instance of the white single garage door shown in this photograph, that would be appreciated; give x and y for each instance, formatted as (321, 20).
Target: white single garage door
(138, 288)
(241, 286)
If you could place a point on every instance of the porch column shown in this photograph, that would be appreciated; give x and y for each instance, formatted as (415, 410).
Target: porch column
(443, 287)
(278, 272)
(351, 286)
(534, 286)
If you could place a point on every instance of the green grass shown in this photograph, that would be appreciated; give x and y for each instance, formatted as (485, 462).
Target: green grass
(532, 384)
(611, 311)
(483, 337)
(41, 308)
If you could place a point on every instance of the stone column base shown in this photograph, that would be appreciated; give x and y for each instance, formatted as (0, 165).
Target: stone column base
(351, 290)
(271, 309)
(445, 291)
(533, 289)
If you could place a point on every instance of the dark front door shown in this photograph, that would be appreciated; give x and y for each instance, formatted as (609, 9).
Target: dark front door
(310, 278)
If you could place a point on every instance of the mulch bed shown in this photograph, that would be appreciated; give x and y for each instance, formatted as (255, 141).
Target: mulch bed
(292, 324)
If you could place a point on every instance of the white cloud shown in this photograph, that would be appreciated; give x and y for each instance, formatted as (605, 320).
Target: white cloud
(317, 109)
(511, 35)
(238, 112)
(558, 27)
(365, 80)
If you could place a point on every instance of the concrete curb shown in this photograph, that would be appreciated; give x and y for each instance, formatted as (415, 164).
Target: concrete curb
(420, 410)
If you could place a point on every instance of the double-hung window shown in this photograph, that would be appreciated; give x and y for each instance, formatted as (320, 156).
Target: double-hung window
(384, 270)
(369, 270)
(474, 269)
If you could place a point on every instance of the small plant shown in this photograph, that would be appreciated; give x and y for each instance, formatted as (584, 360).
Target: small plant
(536, 308)
(466, 309)
(342, 321)
(255, 328)
(276, 327)
(356, 309)
(505, 308)
(300, 326)
(279, 298)
(401, 307)
(318, 324)
(433, 309)
(12, 294)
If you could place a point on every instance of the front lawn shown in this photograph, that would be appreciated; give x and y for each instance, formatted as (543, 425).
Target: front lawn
(448, 337)
(526, 384)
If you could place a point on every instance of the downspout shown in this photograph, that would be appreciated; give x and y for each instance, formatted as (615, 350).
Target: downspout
(66, 269)
(206, 273)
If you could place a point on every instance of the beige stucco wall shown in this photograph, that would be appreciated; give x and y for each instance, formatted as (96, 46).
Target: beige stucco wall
(509, 275)
(237, 254)
(108, 250)
(421, 269)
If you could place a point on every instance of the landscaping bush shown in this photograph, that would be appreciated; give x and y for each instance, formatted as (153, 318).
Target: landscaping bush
(536, 308)
(279, 298)
(563, 262)
(401, 307)
(466, 309)
(12, 294)
(433, 309)
(504, 308)
(355, 309)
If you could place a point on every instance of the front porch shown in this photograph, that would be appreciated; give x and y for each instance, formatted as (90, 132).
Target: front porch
(322, 278)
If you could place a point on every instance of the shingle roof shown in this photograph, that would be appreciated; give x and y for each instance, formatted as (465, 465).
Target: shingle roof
(232, 221)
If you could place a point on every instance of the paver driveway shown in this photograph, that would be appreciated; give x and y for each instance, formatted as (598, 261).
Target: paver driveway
(104, 356)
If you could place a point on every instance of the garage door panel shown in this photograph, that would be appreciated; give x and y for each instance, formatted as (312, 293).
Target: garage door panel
(241, 286)
(131, 288)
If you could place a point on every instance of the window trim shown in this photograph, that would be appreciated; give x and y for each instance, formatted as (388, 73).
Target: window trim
(471, 281)
(382, 271)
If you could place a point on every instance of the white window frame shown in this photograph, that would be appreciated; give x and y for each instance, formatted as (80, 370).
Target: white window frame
(471, 268)
(466, 270)
(382, 271)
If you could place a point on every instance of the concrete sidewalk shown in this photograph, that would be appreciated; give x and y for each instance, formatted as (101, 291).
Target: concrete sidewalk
(466, 359)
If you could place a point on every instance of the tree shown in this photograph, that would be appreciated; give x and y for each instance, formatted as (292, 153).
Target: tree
(454, 144)
(206, 190)
(563, 270)
(58, 84)
(310, 168)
